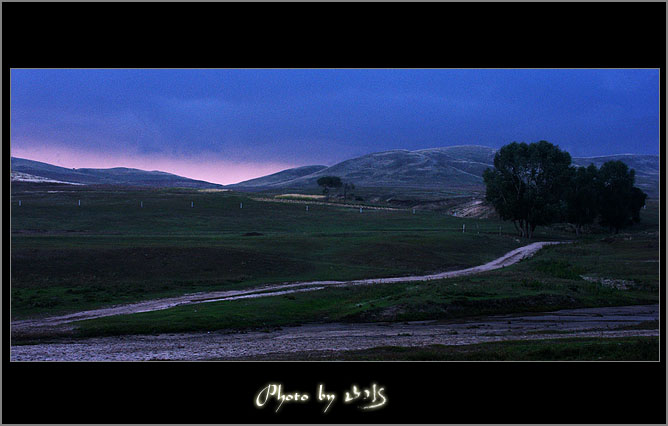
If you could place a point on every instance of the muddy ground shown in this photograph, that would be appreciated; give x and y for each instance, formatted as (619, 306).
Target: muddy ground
(589, 322)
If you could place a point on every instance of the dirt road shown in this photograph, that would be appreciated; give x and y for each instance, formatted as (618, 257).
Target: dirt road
(57, 322)
(590, 322)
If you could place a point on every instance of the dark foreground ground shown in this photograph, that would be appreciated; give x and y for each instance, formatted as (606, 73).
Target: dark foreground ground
(67, 259)
(629, 333)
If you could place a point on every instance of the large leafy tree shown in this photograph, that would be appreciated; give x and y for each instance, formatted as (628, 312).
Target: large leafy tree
(527, 184)
(620, 201)
(583, 197)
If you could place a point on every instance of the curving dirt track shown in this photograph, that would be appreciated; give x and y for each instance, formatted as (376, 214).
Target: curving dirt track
(57, 322)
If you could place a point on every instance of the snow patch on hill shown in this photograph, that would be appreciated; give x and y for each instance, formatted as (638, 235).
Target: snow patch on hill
(25, 177)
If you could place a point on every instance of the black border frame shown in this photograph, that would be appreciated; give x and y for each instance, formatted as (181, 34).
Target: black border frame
(312, 35)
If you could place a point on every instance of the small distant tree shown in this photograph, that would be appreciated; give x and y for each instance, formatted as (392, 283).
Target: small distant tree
(583, 197)
(328, 182)
(620, 201)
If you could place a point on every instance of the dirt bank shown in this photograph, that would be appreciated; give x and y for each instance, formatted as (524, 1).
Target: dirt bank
(589, 322)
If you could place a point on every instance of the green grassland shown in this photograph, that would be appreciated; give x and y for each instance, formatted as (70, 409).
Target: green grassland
(570, 349)
(108, 251)
(548, 281)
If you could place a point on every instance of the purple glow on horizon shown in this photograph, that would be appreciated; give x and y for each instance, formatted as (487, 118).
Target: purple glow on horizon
(203, 168)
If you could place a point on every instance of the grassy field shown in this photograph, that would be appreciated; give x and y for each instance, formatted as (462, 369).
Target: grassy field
(548, 281)
(575, 349)
(110, 250)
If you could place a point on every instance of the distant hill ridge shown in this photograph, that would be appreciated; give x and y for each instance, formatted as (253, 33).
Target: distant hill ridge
(36, 171)
(426, 168)
(454, 167)
(284, 176)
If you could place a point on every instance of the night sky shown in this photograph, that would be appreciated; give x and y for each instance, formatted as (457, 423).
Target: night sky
(229, 125)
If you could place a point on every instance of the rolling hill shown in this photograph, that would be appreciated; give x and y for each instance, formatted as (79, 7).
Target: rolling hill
(450, 168)
(24, 170)
(453, 167)
(459, 166)
(282, 176)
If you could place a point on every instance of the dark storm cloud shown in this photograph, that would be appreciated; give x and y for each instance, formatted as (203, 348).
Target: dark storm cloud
(324, 116)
